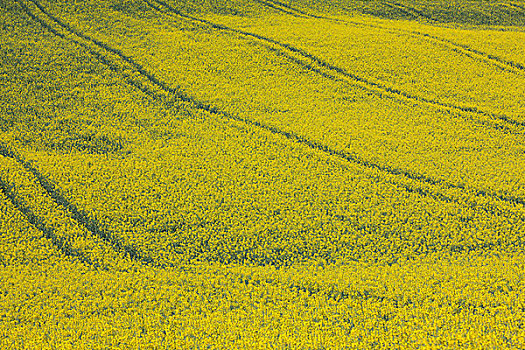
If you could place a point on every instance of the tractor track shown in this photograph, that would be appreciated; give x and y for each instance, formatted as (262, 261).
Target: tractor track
(353, 158)
(92, 226)
(47, 232)
(374, 87)
(462, 49)
(275, 7)
(510, 65)
(284, 8)
(409, 10)
(334, 294)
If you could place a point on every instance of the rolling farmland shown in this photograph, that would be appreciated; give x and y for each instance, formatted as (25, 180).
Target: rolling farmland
(262, 174)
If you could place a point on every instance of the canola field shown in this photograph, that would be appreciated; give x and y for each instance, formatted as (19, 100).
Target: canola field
(262, 174)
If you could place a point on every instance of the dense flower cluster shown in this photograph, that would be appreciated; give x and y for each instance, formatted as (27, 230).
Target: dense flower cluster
(177, 179)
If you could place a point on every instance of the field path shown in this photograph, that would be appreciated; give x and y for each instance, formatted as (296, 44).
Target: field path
(58, 206)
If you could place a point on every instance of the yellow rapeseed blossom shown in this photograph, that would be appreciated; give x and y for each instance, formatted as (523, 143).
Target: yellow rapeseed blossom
(262, 174)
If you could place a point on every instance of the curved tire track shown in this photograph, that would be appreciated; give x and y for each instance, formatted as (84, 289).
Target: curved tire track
(488, 208)
(353, 158)
(92, 226)
(47, 232)
(463, 49)
(280, 9)
(498, 61)
(372, 86)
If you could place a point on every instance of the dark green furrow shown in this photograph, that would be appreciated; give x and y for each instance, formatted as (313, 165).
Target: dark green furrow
(82, 218)
(458, 48)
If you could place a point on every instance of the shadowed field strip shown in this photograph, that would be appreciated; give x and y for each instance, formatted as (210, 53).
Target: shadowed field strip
(459, 48)
(157, 89)
(408, 10)
(284, 8)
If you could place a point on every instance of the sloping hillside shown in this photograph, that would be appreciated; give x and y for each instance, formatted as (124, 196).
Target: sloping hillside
(262, 174)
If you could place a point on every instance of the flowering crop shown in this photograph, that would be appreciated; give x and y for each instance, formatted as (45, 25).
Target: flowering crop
(260, 174)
